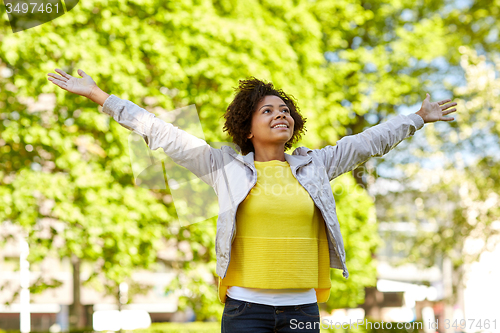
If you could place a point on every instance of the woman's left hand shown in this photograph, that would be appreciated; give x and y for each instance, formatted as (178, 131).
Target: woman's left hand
(435, 111)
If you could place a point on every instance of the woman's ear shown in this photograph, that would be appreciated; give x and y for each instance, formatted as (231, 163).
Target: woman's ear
(249, 136)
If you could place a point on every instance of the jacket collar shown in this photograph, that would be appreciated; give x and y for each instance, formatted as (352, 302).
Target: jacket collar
(298, 158)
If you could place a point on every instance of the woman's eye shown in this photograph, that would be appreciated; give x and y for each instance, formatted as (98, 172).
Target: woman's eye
(286, 110)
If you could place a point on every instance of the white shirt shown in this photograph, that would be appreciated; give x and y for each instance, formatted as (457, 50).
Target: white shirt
(273, 297)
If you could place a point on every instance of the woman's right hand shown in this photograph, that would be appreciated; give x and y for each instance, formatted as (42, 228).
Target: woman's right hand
(84, 86)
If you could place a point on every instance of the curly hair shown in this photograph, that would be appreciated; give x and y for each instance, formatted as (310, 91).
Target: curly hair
(239, 113)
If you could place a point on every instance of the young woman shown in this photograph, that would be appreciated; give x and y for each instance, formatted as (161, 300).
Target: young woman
(277, 229)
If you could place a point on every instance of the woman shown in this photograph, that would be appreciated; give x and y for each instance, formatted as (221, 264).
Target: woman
(277, 229)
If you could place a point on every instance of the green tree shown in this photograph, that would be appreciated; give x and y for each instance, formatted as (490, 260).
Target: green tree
(453, 198)
(69, 186)
(344, 61)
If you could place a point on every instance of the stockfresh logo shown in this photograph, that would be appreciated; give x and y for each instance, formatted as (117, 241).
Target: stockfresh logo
(194, 200)
(26, 14)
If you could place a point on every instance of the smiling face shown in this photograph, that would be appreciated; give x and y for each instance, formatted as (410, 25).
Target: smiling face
(271, 110)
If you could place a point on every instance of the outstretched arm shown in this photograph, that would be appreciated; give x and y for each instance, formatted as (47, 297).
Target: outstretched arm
(353, 150)
(185, 149)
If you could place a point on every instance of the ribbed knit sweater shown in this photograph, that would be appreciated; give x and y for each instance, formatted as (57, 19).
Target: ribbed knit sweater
(280, 237)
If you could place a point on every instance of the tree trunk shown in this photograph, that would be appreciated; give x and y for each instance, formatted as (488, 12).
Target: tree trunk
(76, 313)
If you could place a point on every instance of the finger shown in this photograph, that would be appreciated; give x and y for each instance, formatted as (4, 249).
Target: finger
(63, 73)
(428, 97)
(82, 73)
(449, 105)
(58, 83)
(449, 111)
(57, 77)
(447, 119)
(444, 101)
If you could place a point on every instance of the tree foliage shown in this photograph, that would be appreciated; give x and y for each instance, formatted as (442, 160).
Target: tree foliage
(452, 193)
(65, 170)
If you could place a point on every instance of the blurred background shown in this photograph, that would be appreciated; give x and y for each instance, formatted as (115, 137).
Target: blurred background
(91, 248)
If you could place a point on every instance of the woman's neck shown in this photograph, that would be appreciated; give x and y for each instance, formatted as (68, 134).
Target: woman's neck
(268, 156)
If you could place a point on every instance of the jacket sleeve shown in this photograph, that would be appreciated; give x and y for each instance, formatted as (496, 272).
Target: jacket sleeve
(353, 150)
(185, 149)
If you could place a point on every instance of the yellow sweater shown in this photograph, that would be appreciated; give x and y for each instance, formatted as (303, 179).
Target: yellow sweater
(280, 237)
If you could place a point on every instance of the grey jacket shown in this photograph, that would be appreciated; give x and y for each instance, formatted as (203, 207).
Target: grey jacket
(232, 175)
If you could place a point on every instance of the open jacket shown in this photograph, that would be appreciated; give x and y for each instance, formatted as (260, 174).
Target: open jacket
(233, 175)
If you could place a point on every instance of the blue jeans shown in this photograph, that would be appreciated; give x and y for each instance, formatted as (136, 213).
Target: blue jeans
(242, 316)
